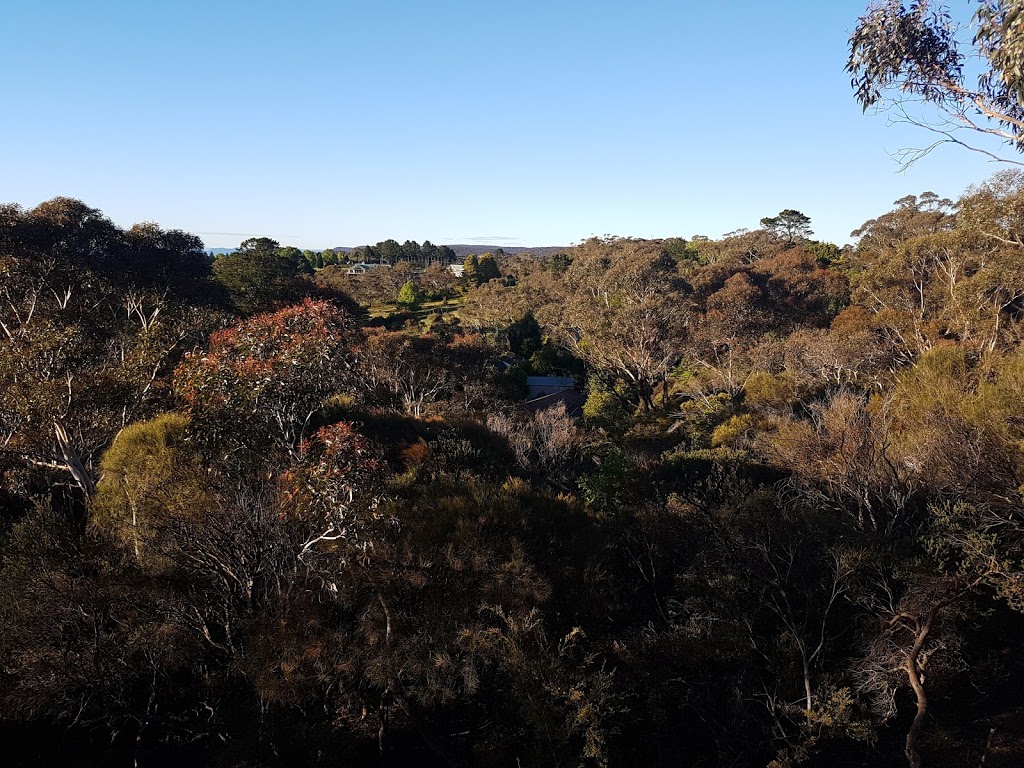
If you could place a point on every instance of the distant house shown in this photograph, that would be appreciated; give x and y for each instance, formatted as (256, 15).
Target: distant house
(363, 268)
(538, 386)
(459, 270)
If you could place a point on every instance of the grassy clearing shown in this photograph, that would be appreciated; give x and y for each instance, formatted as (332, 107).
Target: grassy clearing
(426, 309)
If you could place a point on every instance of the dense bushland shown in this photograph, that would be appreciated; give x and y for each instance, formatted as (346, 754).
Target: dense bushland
(241, 523)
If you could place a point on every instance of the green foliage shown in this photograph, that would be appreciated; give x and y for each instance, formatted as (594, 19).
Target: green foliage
(487, 269)
(410, 296)
(388, 252)
(769, 392)
(836, 716)
(164, 257)
(697, 418)
(680, 251)
(524, 335)
(826, 253)
(625, 314)
(790, 225)
(150, 480)
(732, 433)
(559, 263)
(554, 360)
(297, 258)
(257, 275)
(602, 407)
(608, 489)
(470, 266)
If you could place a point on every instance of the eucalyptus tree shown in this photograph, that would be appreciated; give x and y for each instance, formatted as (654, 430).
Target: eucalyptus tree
(912, 58)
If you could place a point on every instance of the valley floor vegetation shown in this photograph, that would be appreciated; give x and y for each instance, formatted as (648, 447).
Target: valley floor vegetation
(258, 511)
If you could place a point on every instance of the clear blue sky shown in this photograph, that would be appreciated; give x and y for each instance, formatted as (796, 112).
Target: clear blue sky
(324, 123)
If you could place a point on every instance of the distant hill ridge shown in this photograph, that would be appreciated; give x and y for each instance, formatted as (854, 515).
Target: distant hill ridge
(462, 250)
